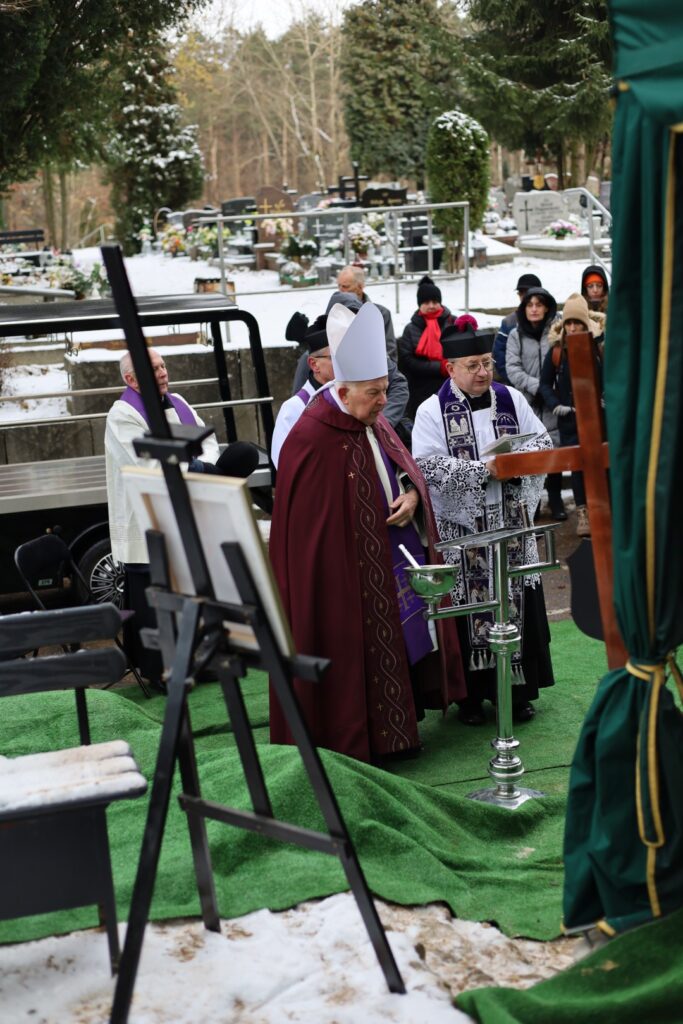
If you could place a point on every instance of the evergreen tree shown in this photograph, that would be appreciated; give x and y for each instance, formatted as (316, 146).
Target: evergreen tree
(539, 72)
(152, 159)
(55, 78)
(457, 170)
(398, 72)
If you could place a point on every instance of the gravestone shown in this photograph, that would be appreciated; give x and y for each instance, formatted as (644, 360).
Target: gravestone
(273, 200)
(606, 193)
(240, 204)
(593, 184)
(576, 205)
(384, 196)
(533, 211)
(498, 201)
(190, 216)
(310, 201)
(511, 186)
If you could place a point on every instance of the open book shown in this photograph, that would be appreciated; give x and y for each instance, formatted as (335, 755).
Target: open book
(507, 443)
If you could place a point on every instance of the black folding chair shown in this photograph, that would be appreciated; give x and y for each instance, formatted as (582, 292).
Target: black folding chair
(54, 845)
(46, 565)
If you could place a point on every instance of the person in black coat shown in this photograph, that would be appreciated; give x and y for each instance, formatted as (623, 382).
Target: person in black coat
(420, 352)
(595, 288)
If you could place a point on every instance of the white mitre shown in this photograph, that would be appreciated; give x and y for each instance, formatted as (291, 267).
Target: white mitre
(357, 342)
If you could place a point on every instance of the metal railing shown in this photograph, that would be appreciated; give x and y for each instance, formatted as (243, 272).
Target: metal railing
(592, 204)
(83, 392)
(31, 289)
(100, 231)
(393, 216)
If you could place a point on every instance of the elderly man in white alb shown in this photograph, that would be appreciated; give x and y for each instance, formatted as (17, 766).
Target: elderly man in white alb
(319, 362)
(126, 421)
(452, 431)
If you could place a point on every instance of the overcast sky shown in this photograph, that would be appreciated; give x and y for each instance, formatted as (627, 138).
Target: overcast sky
(273, 15)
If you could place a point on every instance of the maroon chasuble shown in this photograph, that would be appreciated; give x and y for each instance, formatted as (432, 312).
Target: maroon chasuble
(331, 555)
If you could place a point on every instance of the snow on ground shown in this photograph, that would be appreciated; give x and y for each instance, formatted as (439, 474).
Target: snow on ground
(491, 287)
(313, 965)
(258, 292)
(33, 379)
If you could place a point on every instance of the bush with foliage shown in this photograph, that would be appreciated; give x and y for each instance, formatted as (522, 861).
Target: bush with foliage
(457, 170)
(152, 159)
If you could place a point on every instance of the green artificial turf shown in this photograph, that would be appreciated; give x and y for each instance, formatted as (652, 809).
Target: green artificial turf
(636, 979)
(419, 840)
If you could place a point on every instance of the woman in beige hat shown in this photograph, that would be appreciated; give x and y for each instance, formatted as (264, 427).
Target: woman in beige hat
(556, 384)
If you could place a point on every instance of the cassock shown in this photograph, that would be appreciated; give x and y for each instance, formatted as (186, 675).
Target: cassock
(340, 579)
(451, 430)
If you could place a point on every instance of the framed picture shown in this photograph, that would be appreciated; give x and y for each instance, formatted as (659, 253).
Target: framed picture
(223, 512)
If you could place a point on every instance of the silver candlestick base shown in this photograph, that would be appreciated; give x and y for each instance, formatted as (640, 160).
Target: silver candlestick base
(505, 768)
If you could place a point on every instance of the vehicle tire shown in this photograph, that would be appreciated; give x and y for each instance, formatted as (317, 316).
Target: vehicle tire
(102, 573)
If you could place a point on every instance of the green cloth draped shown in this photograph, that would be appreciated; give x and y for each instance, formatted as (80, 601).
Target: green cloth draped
(624, 829)
(623, 849)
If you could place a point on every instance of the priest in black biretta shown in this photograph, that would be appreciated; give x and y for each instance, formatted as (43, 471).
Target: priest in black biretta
(460, 339)
(453, 434)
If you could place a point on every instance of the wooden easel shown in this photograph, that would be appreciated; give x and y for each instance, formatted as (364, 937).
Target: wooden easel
(194, 634)
(591, 457)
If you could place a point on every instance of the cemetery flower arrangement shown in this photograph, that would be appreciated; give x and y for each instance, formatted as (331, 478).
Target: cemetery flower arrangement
(173, 239)
(295, 246)
(562, 229)
(205, 238)
(375, 220)
(362, 237)
(279, 227)
(85, 283)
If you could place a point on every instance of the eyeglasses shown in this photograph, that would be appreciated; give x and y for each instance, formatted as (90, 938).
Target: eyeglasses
(484, 364)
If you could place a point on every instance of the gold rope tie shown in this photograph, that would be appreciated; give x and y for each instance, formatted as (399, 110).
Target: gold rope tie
(643, 671)
(656, 676)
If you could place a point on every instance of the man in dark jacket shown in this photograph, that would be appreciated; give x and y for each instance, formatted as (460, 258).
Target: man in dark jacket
(352, 280)
(397, 395)
(525, 282)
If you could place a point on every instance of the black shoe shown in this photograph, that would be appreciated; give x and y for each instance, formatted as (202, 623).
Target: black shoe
(471, 714)
(558, 512)
(523, 712)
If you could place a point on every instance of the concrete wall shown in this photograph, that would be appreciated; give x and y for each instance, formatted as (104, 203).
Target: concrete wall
(85, 437)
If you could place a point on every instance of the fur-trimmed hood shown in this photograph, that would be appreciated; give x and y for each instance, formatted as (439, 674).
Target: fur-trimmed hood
(596, 325)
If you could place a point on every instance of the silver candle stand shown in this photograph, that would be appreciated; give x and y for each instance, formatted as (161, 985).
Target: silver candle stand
(432, 583)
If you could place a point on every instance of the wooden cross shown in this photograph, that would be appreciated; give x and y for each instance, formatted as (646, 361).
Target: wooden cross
(591, 457)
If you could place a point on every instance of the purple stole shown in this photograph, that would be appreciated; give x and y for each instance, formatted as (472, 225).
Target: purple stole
(461, 440)
(185, 413)
(458, 423)
(412, 609)
(304, 396)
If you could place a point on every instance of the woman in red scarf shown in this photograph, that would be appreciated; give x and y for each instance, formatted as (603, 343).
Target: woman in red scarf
(420, 354)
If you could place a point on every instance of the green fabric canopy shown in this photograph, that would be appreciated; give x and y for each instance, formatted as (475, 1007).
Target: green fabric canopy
(624, 828)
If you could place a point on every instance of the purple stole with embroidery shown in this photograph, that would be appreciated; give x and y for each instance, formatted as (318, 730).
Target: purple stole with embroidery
(411, 608)
(461, 441)
(185, 413)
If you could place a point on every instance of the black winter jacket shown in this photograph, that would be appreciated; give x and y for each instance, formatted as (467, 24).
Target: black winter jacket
(424, 375)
